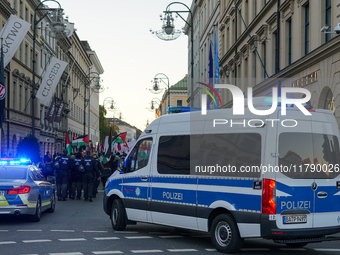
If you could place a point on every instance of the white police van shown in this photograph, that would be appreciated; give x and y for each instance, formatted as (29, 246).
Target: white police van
(274, 176)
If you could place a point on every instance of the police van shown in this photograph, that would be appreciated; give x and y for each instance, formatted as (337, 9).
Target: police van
(274, 176)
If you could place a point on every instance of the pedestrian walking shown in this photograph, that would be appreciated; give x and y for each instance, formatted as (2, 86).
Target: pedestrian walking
(91, 170)
(97, 177)
(62, 176)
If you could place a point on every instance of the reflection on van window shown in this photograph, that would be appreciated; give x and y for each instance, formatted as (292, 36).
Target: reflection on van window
(180, 154)
(234, 150)
(139, 156)
(310, 155)
(174, 155)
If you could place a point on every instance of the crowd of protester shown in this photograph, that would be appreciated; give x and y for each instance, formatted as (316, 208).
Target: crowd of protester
(79, 175)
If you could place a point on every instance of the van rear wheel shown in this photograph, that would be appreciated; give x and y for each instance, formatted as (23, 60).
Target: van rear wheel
(225, 235)
(118, 215)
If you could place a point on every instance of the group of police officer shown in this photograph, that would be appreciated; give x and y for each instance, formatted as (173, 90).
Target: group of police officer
(73, 174)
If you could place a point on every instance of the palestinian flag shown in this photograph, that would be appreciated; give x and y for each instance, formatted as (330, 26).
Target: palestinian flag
(81, 141)
(68, 145)
(121, 138)
(107, 154)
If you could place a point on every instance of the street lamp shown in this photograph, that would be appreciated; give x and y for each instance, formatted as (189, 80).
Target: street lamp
(154, 101)
(108, 100)
(57, 26)
(157, 79)
(169, 27)
(90, 78)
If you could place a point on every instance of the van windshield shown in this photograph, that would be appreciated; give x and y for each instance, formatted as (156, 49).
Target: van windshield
(309, 156)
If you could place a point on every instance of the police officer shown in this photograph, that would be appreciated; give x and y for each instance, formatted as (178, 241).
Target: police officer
(91, 171)
(62, 176)
(77, 175)
(97, 178)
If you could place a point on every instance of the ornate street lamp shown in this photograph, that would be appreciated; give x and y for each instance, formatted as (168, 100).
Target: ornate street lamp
(168, 31)
(97, 85)
(169, 27)
(155, 102)
(160, 77)
(57, 26)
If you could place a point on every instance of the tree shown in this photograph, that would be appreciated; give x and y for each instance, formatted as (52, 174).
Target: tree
(104, 127)
(29, 148)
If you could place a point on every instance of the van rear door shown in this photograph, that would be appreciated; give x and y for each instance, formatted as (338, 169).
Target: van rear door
(326, 170)
(294, 186)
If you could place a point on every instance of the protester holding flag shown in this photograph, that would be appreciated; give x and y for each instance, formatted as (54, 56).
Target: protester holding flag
(68, 145)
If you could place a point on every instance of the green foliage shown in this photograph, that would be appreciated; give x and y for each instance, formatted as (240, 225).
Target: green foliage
(103, 129)
(29, 147)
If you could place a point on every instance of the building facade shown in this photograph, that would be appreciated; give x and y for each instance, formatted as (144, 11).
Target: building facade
(273, 43)
(18, 83)
(178, 97)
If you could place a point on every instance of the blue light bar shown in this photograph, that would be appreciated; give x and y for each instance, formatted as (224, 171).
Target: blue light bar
(14, 161)
(179, 109)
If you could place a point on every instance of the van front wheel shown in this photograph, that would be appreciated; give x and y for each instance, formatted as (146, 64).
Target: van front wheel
(118, 215)
(225, 235)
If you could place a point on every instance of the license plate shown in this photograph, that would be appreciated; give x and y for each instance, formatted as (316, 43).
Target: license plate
(2, 193)
(291, 219)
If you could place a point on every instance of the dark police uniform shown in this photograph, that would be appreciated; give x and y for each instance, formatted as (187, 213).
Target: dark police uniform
(62, 177)
(91, 171)
(77, 178)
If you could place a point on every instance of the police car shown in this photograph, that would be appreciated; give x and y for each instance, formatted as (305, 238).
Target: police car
(273, 176)
(24, 190)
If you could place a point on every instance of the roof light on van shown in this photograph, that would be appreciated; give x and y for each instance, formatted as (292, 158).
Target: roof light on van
(179, 109)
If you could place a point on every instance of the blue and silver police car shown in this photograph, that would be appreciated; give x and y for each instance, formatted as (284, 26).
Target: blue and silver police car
(24, 190)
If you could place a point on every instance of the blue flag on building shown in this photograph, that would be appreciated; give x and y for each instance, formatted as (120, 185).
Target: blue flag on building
(2, 88)
(210, 102)
(217, 70)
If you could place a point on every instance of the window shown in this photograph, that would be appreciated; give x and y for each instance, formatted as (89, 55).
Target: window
(237, 150)
(174, 155)
(185, 154)
(26, 95)
(20, 99)
(20, 52)
(307, 149)
(26, 54)
(328, 17)
(139, 156)
(289, 42)
(306, 29)
(31, 58)
(14, 4)
(255, 56)
(255, 7)
(264, 59)
(179, 102)
(14, 90)
(26, 14)
(20, 9)
(275, 52)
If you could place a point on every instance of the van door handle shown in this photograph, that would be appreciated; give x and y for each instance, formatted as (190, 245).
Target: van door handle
(144, 178)
(322, 194)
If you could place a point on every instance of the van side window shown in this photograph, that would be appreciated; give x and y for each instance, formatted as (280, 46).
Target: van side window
(185, 154)
(174, 155)
(139, 156)
(312, 156)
